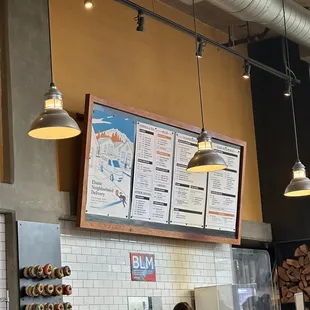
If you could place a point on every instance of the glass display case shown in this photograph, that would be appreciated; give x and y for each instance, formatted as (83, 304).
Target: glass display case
(250, 289)
(252, 280)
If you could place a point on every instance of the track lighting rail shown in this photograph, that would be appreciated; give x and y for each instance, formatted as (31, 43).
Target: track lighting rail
(177, 26)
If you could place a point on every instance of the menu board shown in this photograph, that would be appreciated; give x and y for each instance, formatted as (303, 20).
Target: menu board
(153, 171)
(222, 194)
(189, 189)
(135, 178)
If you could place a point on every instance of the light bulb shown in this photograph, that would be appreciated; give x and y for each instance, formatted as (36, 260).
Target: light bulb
(247, 70)
(53, 103)
(88, 4)
(288, 89)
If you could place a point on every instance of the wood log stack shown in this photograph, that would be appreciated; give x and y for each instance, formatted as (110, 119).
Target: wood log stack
(294, 275)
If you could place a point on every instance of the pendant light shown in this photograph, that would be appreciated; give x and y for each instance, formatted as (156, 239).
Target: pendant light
(54, 122)
(206, 159)
(300, 184)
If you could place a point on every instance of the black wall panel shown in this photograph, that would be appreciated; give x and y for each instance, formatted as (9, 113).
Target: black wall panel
(290, 217)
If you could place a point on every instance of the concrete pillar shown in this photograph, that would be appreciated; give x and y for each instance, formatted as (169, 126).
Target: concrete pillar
(34, 194)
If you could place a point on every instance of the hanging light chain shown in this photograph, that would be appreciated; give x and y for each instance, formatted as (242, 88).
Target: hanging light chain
(198, 69)
(289, 72)
(50, 40)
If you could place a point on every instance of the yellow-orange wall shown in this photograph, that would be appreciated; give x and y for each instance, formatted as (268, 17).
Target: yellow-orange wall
(101, 53)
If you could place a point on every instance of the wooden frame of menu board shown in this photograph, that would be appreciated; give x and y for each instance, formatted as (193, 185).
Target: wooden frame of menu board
(125, 224)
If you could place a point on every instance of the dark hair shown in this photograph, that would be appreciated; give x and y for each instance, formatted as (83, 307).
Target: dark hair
(182, 306)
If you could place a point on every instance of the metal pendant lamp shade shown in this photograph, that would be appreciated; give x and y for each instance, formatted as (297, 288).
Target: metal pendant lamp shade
(300, 184)
(205, 159)
(54, 123)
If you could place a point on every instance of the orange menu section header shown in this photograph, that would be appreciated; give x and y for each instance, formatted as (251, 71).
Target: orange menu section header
(164, 136)
(221, 213)
(163, 154)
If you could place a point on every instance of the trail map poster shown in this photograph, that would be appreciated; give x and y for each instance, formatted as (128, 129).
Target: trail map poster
(110, 163)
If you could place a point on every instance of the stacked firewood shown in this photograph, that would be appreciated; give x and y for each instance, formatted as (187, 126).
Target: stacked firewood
(294, 275)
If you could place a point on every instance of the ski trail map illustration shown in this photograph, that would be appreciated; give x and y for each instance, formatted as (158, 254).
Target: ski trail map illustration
(110, 163)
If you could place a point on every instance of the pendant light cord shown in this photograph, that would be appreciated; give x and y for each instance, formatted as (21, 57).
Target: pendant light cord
(198, 69)
(289, 72)
(50, 39)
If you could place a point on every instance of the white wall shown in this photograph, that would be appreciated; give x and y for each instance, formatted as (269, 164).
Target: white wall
(101, 276)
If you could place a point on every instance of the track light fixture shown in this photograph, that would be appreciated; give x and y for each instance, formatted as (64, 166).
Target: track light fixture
(140, 21)
(288, 89)
(89, 4)
(206, 159)
(247, 70)
(200, 48)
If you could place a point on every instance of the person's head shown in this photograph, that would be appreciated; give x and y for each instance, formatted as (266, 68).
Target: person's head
(182, 306)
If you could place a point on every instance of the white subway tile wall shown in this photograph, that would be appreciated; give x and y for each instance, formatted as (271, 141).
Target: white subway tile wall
(2, 260)
(101, 277)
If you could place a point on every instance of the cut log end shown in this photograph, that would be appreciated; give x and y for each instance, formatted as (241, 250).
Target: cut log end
(304, 248)
(284, 290)
(306, 270)
(282, 274)
(301, 261)
(284, 300)
(292, 262)
(299, 252)
(307, 290)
